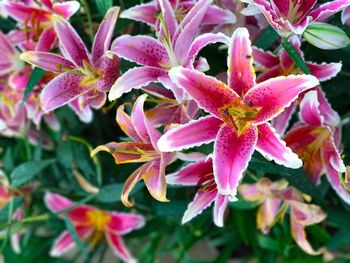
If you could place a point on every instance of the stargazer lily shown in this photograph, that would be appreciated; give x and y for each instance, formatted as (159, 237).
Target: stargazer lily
(345, 16)
(176, 45)
(293, 16)
(148, 13)
(83, 79)
(200, 173)
(36, 18)
(276, 65)
(143, 149)
(275, 199)
(168, 111)
(239, 114)
(93, 225)
(266, 193)
(318, 143)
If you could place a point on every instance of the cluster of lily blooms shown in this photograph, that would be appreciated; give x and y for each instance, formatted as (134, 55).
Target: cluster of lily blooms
(247, 110)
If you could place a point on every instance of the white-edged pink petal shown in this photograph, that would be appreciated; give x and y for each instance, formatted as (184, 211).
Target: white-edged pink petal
(194, 133)
(273, 148)
(232, 153)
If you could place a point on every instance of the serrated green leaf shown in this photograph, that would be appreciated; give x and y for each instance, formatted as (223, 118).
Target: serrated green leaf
(267, 38)
(295, 56)
(35, 77)
(26, 172)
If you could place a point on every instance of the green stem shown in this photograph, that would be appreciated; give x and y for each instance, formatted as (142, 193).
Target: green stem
(9, 222)
(88, 13)
(95, 159)
(27, 149)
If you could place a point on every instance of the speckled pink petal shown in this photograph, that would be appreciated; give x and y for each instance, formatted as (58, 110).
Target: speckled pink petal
(273, 95)
(273, 148)
(232, 153)
(123, 223)
(326, 10)
(124, 122)
(240, 72)
(194, 133)
(73, 47)
(281, 122)
(201, 201)
(103, 37)
(324, 71)
(66, 9)
(47, 61)
(264, 58)
(309, 109)
(210, 93)
(61, 90)
(220, 206)
(192, 173)
(118, 247)
(146, 13)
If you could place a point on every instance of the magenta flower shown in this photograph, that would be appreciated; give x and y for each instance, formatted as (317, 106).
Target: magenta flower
(168, 111)
(277, 65)
(175, 46)
(83, 79)
(148, 13)
(345, 16)
(9, 56)
(287, 16)
(143, 148)
(93, 225)
(275, 199)
(267, 194)
(240, 112)
(36, 18)
(201, 174)
(317, 142)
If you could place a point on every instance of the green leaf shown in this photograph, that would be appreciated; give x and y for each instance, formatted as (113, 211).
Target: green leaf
(103, 6)
(268, 243)
(243, 204)
(296, 177)
(340, 239)
(174, 208)
(267, 38)
(295, 56)
(25, 172)
(76, 238)
(110, 193)
(35, 77)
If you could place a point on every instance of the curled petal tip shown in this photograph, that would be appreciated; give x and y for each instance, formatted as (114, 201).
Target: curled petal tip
(99, 149)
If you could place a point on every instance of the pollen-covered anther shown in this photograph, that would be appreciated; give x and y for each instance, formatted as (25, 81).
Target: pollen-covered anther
(238, 114)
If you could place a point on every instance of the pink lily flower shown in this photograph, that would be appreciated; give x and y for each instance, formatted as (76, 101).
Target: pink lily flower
(9, 56)
(239, 114)
(168, 111)
(83, 79)
(281, 64)
(6, 194)
(254, 24)
(175, 46)
(287, 16)
(143, 148)
(93, 225)
(275, 199)
(318, 143)
(36, 18)
(200, 173)
(345, 16)
(266, 193)
(148, 13)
